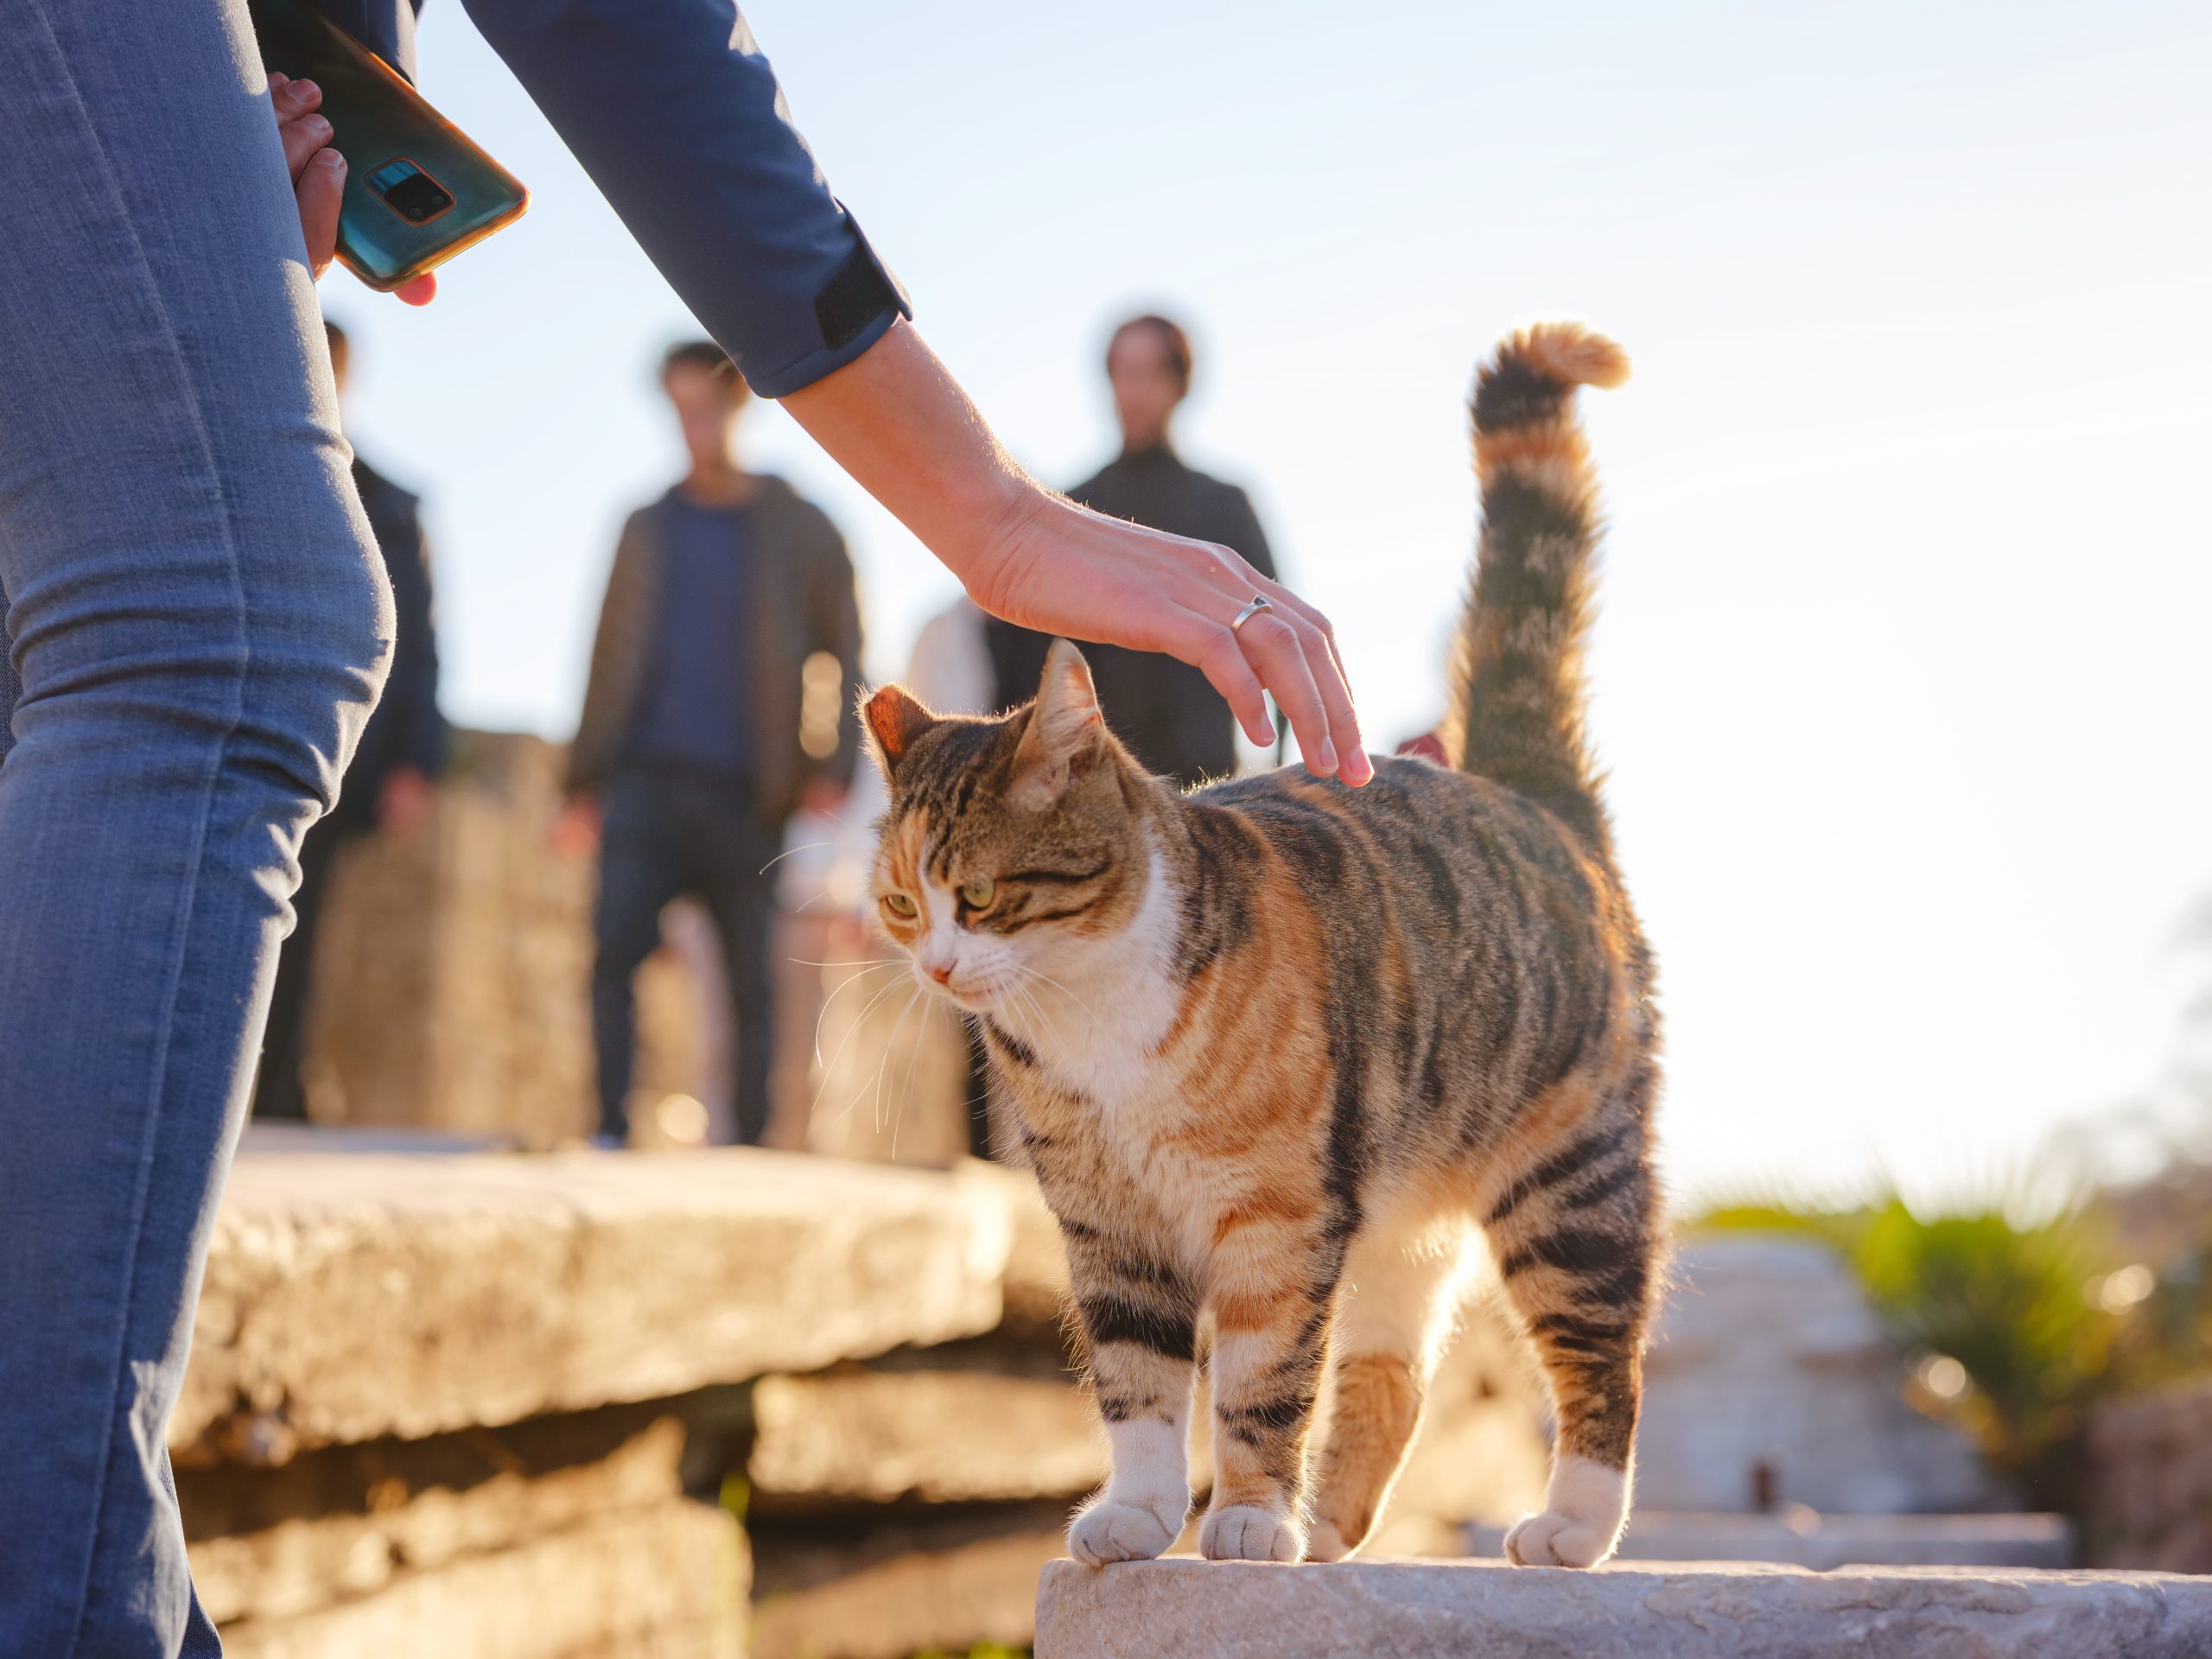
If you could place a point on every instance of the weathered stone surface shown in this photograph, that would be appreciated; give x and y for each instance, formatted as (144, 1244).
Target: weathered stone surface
(940, 1599)
(1197, 1610)
(350, 1297)
(2150, 1481)
(666, 1584)
(344, 1521)
(1802, 1538)
(1767, 1353)
(937, 1436)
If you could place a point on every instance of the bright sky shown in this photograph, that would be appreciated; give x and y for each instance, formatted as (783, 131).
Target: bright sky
(1902, 673)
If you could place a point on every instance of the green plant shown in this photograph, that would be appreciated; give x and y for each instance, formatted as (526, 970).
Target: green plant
(2013, 1304)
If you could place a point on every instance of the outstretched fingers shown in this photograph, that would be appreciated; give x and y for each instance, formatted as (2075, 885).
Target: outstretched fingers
(1288, 649)
(1273, 646)
(1216, 653)
(1317, 637)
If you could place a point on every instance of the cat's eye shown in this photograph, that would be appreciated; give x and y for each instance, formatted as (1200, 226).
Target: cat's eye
(899, 904)
(978, 894)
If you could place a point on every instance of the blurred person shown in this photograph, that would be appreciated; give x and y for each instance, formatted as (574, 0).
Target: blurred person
(198, 626)
(952, 657)
(388, 788)
(1164, 710)
(696, 743)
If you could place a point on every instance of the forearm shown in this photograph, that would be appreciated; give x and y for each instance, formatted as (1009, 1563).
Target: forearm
(897, 421)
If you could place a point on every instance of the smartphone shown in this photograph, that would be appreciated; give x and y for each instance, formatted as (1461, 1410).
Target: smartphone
(418, 191)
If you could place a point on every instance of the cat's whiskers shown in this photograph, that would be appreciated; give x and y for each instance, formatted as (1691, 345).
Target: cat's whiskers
(830, 1066)
(890, 1042)
(839, 989)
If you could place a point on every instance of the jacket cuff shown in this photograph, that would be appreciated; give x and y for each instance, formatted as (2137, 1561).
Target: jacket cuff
(855, 307)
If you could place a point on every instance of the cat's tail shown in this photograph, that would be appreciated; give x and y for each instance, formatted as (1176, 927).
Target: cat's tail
(1515, 713)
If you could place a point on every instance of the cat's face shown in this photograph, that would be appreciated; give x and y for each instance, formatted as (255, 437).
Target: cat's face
(1014, 847)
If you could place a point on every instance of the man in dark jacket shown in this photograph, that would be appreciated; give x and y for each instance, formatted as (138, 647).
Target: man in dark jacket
(388, 787)
(726, 661)
(1171, 718)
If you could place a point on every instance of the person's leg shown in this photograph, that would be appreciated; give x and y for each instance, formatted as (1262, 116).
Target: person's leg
(640, 872)
(201, 625)
(280, 1089)
(732, 854)
(10, 686)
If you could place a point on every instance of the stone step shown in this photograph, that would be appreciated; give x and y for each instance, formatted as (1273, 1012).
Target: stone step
(1481, 1610)
(937, 1437)
(341, 1521)
(353, 1296)
(945, 1595)
(1804, 1538)
(668, 1583)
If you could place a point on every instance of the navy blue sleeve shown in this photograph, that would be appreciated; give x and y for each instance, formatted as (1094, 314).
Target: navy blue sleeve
(675, 112)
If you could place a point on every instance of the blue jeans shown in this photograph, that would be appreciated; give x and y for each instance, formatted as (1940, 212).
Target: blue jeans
(200, 626)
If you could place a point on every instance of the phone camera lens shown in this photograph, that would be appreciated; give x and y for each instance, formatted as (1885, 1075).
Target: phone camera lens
(412, 193)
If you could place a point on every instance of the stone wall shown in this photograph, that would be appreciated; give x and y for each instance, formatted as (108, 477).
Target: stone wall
(2150, 1481)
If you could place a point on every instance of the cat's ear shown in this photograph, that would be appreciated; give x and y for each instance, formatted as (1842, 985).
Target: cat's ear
(1064, 729)
(894, 720)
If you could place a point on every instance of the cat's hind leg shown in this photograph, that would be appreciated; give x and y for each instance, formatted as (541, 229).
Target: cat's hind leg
(1403, 1288)
(1575, 1238)
(1138, 1317)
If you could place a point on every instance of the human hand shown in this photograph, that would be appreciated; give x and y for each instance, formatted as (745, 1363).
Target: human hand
(319, 177)
(575, 832)
(404, 804)
(1061, 569)
(896, 420)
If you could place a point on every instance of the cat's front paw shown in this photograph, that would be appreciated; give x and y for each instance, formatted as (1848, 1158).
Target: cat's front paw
(1121, 1532)
(1245, 1532)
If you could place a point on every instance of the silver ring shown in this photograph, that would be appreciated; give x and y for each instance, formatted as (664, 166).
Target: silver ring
(1250, 611)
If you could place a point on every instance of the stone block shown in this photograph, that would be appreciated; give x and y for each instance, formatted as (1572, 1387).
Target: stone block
(344, 1521)
(925, 1599)
(1199, 1609)
(668, 1583)
(935, 1436)
(349, 1298)
(1802, 1537)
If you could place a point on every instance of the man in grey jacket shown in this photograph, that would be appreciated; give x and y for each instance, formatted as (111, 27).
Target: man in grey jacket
(727, 659)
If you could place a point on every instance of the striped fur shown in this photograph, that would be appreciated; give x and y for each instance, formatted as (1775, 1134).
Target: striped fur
(1284, 1054)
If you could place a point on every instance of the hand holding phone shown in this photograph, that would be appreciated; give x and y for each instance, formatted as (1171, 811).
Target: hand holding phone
(384, 184)
(319, 179)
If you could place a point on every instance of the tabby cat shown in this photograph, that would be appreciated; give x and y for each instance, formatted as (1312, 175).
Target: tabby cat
(1281, 1052)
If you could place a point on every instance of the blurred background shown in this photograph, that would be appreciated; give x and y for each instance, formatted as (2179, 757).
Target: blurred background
(1901, 668)
(1901, 676)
